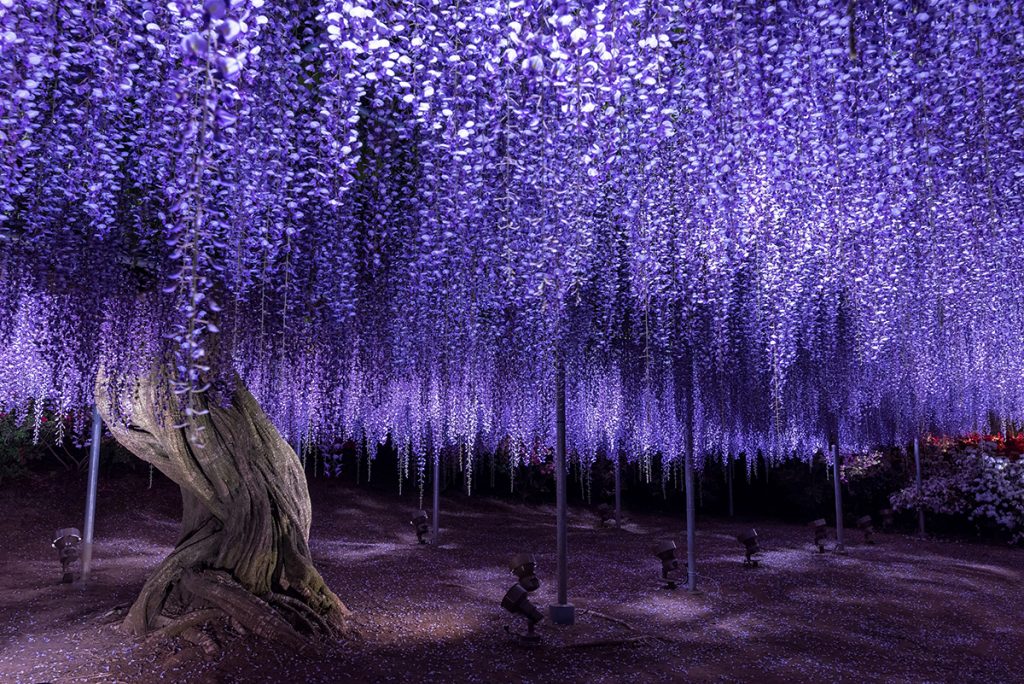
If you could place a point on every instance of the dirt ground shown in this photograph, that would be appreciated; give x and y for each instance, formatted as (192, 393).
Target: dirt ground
(904, 610)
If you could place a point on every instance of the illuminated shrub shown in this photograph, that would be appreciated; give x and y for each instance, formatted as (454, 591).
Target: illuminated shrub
(977, 482)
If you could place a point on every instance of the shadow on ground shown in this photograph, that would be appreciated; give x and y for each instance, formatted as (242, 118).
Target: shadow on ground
(903, 610)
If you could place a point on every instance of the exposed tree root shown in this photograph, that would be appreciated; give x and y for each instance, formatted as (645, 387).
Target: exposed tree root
(115, 614)
(252, 612)
(179, 659)
(206, 642)
(315, 623)
(184, 623)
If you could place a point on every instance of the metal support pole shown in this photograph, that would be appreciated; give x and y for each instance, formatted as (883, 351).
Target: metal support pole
(840, 547)
(435, 519)
(728, 480)
(691, 514)
(920, 508)
(618, 490)
(563, 612)
(90, 495)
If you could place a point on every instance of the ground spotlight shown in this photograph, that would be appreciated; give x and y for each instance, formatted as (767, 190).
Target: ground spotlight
(820, 533)
(672, 572)
(517, 601)
(524, 567)
(865, 525)
(420, 524)
(607, 515)
(888, 518)
(66, 541)
(749, 541)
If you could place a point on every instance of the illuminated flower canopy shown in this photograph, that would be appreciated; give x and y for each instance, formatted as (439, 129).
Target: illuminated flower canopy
(388, 217)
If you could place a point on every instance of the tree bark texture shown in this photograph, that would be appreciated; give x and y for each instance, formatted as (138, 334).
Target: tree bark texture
(243, 548)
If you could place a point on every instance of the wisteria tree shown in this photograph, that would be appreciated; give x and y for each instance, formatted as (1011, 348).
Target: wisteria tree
(229, 223)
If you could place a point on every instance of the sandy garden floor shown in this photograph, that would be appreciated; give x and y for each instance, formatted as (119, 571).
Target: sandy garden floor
(904, 610)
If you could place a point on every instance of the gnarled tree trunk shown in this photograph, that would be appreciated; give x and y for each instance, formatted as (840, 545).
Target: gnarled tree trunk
(243, 550)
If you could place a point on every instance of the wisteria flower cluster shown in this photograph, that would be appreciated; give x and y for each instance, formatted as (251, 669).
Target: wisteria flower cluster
(787, 220)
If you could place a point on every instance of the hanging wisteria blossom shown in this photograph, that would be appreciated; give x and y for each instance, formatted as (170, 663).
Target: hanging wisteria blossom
(391, 221)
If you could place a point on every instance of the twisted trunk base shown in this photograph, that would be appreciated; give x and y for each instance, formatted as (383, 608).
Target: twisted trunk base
(243, 553)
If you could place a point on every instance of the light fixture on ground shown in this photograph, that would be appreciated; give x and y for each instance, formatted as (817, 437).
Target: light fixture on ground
(420, 523)
(865, 525)
(607, 515)
(517, 601)
(672, 571)
(524, 567)
(66, 541)
(888, 518)
(749, 541)
(820, 533)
